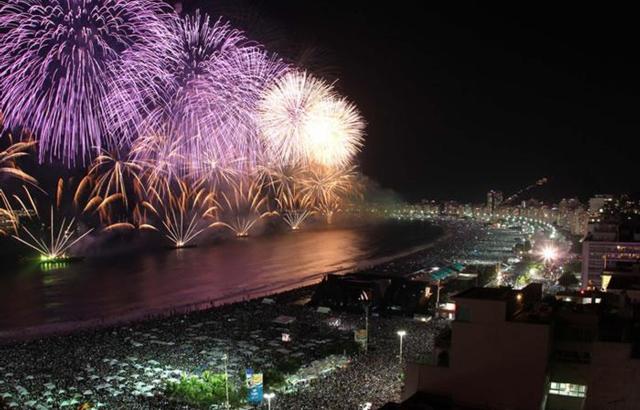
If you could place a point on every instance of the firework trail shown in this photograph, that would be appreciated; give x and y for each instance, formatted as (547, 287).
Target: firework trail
(112, 175)
(9, 218)
(326, 188)
(214, 174)
(54, 238)
(284, 181)
(59, 60)
(9, 157)
(255, 71)
(158, 154)
(58, 244)
(294, 207)
(241, 208)
(182, 212)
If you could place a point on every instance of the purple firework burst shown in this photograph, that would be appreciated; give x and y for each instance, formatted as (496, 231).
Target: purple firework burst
(213, 78)
(59, 60)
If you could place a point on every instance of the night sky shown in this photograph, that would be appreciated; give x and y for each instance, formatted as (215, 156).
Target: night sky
(462, 100)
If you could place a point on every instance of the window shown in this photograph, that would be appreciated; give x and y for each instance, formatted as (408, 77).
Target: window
(568, 389)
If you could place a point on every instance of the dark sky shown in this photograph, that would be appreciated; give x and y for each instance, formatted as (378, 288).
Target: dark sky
(461, 100)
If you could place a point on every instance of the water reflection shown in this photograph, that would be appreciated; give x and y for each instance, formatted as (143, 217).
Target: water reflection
(154, 281)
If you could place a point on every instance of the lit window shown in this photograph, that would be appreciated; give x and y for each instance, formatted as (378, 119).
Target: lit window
(568, 389)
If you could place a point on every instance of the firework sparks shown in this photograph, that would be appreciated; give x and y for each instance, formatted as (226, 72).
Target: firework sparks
(112, 175)
(303, 120)
(294, 207)
(334, 133)
(213, 77)
(186, 119)
(182, 212)
(240, 209)
(59, 60)
(8, 218)
(9, 157)
(325, 189)
(58, 244)
(283, 116)
(52, 241)
(158, 154)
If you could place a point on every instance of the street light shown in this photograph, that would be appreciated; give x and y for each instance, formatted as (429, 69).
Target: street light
(269, 396)
(226, 378)
(364, 297)
(402, 334)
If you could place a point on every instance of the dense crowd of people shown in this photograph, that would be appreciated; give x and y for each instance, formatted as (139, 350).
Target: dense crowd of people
(128, 366)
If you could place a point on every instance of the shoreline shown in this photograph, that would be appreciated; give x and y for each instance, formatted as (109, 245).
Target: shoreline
(61, 329)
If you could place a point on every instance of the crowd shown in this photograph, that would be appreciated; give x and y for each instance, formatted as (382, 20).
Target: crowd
(128, 366)
(371, 379)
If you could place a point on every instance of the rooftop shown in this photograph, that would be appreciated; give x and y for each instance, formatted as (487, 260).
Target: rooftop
(498, 294)
(624, 282)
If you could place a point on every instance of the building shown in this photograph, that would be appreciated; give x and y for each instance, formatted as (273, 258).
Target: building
(598, 203)
(488, 338)
(507, 349)
(612, 243)
(623, 280)
(602, 256)
(494, 199)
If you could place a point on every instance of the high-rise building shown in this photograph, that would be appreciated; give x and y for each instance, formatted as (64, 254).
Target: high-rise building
(598, 257)
(494, 199)
(612, 243)
(597, 204)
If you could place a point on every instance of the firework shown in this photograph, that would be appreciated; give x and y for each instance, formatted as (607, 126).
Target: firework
(283, 116)
(60, 59)
(551, 251)
(183, 117)
(549, 254)
(182, 212)
(256, 71)
(294, 207)
(61, 239)
(334, 133)
(9, 157)
(8, 218)
(213, 77)
(325, 188)
(120, 226)
(214, 174)
(112, 175)
(54, 239)
(241, 208)
(303, 120)
(157, 153)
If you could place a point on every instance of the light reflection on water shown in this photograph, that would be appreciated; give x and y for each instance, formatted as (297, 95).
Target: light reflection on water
(148, 282)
